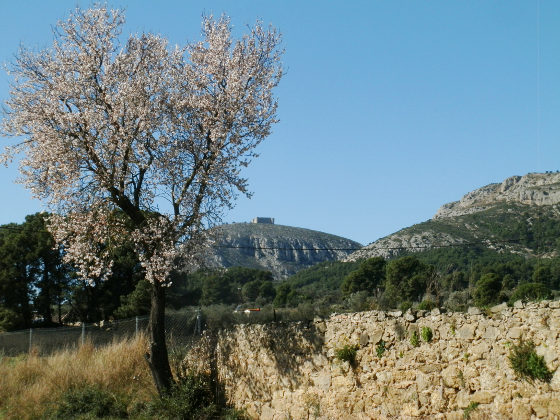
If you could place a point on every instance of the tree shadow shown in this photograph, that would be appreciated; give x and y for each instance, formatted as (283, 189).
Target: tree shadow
(254, 361)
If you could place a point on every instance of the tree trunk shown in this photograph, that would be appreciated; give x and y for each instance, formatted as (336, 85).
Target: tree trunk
(158, 359)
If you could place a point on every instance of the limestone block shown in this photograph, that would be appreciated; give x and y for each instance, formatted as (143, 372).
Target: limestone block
(473, 310)
(359, 406)
(480, 351)
(451, 376)
(322, 381)
(483, 397)
(539, 404)
(252, 411)
(504, 409)
(375, 335)
(554, 304)
(455, 415)
(554, 324)
(554, 406)
(491, 333)
(488, 380)
(518, 304)
(384, 377)
(514, 333)
(297, 411)
(549, 353)
(422, 381)
(435, 311)
(437, 400)
(409, 316)
(498, 308)
(466, 332)
(521, 409)
(267, 412)
(342, 384)
(463, 399)
(410, 409)
(424, 398)
(364, 339)
(555, 382)
(525, 390)
(319, 360)
(429, 368)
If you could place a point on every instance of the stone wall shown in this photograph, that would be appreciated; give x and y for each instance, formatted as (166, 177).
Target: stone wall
(283, 371)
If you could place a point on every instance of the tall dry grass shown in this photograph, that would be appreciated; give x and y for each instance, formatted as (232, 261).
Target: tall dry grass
(30, 385)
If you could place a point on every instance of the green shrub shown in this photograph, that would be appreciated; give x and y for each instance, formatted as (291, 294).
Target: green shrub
(89, 400)
(347, 353)
(414, 340)
(405, 306)
(427, 334)
(527, 364)
(426, 305)
(530, 291)
(487, 290)
(380, 348)
(194, 396)
(9, 319)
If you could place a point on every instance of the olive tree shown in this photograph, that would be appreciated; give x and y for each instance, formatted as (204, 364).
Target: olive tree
(138, 141)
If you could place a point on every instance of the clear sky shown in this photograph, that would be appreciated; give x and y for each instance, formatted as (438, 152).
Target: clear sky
(388, 109)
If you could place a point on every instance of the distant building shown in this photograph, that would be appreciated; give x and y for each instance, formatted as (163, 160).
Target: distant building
(265, 220)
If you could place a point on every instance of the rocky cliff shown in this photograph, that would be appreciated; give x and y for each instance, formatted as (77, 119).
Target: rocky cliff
(530, 189)
(519, 215)
(283, 250)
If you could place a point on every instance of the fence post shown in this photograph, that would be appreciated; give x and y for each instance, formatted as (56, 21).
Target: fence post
(198, 325)
(136, 330)
(30, 339)
(83, 333)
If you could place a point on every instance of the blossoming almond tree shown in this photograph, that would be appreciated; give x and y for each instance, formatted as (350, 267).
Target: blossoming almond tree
(139, 141)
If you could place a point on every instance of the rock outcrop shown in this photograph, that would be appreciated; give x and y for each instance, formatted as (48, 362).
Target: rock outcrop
(530, 189)
(279, 371)
(283, 250)
(498, 216)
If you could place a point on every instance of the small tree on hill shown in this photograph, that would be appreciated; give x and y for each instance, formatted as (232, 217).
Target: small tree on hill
(406, 280)
(368, 277)
(487, 289)
(140, 141)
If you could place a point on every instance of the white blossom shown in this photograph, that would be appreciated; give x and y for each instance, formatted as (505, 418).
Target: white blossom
(110, 130)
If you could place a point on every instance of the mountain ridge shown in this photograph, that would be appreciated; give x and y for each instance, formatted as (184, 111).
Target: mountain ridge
(518, 215)
(281, 249)
(532, 189)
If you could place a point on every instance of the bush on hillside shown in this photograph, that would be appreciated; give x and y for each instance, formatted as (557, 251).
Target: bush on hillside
(487, 290)
(531, 291)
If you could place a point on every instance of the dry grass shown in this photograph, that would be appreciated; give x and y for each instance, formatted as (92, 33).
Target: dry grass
(30, 384)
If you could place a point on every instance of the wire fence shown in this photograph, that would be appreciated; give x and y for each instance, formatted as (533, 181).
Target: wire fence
(181, 328)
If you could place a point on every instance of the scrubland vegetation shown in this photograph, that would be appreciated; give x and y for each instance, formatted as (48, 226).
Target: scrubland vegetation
(107, 382)
(32, 386)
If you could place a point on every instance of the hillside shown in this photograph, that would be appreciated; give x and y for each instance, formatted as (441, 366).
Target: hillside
(521, 215)
(283, 250)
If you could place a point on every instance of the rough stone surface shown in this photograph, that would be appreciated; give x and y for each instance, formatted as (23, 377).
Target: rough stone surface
(280, 371)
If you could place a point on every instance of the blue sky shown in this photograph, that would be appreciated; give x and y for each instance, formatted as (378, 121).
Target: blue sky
(388, 109)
